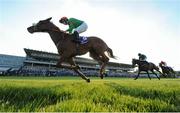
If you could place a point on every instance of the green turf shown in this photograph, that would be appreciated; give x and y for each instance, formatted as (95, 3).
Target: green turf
(70, 94)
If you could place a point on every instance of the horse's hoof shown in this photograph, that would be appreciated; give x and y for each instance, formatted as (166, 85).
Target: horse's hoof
(101, 77)
(88, 80)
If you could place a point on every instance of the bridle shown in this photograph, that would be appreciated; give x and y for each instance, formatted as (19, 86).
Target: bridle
(56, 29)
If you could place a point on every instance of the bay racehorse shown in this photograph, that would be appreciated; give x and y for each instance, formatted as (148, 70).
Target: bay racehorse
(68, 49)
(145, 66)
(167, 71)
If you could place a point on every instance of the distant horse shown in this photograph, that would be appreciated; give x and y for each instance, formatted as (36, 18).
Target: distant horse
(145, 66)
(167, 71)
(67, 49)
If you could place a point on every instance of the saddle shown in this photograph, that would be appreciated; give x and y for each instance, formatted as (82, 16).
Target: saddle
(80, 40)
(144, 63)
(83, 40)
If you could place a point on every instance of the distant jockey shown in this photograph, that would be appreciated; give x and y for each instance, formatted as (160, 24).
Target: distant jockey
(142, 57)
(163, 63)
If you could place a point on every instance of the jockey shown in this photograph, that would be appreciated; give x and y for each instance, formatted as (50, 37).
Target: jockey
(142, 57)
(164, 63)
(75, 26)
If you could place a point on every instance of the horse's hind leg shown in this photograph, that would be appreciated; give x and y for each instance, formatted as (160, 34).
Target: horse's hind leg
(73, 66)
(104, 60)
(95, 56)
(99, 60)
(174, 73)
(63, 59)
(148, 75)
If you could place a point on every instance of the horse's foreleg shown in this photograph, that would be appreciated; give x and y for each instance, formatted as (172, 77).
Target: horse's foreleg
(137, 75)
(102, 70)
(59, 64)
(164, 74)
(82, 75)
(71, 61)
(155, 74)
(66, 66)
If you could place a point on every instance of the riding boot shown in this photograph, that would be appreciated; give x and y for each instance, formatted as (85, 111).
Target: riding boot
(76, 36)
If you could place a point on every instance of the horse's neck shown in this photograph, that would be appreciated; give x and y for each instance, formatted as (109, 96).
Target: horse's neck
(56, 36)
(138, 62)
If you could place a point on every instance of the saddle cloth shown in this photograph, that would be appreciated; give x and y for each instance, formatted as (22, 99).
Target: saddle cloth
(83, 39)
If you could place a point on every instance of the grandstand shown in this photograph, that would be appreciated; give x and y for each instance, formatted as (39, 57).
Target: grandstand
(10, 63)
(44, 63)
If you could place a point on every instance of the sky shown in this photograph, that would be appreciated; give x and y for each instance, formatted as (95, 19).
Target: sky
(129, 27)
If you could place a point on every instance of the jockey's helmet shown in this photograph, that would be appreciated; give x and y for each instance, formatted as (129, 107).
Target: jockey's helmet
(139, 54)
(63, 20)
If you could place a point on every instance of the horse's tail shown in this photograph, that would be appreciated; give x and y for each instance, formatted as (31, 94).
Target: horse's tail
(110, 53)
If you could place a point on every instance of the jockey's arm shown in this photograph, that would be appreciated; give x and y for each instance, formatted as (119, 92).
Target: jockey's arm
(70, 29)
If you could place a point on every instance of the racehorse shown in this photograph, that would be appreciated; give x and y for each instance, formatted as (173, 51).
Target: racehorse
(167, 71)
(145, 66)
(68, 49)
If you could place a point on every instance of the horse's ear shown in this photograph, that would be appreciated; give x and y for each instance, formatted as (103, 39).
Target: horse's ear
(49, 19)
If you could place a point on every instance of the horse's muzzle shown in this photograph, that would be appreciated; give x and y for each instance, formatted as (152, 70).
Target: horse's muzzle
(30, 29)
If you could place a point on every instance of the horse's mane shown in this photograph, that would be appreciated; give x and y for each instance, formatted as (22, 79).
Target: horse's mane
(58, 29)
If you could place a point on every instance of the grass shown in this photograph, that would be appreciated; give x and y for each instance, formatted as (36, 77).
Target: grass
(71, 94)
